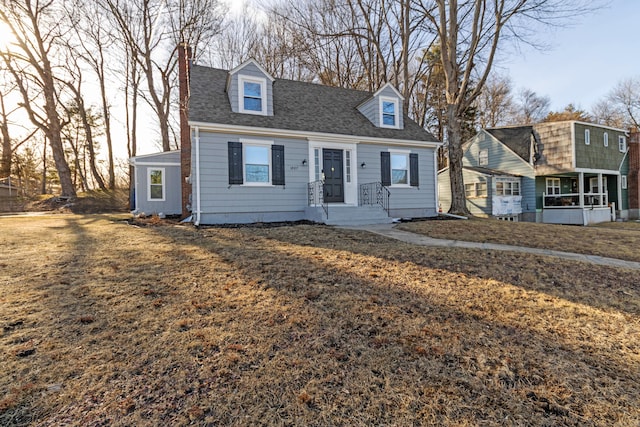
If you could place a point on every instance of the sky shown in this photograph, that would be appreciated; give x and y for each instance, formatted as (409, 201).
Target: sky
(586, 60)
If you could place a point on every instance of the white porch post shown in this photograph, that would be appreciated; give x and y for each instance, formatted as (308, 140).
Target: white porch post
(600, 189)
(581, 188)
(619, 186)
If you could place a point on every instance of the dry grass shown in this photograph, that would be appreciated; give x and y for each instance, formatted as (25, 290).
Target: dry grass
(613, 239)
(109, 324)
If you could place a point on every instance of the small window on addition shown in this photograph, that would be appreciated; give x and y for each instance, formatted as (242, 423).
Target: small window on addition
(483, 157)
(606, 139)
(587, 137)
(156, 184)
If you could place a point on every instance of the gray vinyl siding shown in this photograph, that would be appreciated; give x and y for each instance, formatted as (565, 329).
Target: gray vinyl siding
(444, 190)
(250, 70)
(478, 206)
(371, 108)
(504, 160)
(169, 161)
(224, 203)
(403, 202)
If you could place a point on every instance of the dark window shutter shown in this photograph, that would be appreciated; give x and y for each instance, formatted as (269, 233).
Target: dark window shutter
(277, 164)
(385, 168)
(235, 163)
(413, 169)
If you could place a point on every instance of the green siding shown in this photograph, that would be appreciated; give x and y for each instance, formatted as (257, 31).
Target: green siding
(596, 155)
(624, 171)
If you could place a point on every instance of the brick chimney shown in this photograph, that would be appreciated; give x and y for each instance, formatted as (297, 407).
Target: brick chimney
(633, 180)
(184, 68)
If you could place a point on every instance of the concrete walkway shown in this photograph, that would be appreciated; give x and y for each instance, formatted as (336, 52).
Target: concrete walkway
(388, 230)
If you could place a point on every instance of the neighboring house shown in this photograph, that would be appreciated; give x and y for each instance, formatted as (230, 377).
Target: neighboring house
(560, 172)
(259, 149)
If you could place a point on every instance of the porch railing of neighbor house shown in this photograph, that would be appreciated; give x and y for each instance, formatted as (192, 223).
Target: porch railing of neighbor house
(572, 200)
(315, 194)
(374, 193)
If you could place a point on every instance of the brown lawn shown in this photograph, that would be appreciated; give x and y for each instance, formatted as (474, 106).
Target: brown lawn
(613, 239)
(104, 323)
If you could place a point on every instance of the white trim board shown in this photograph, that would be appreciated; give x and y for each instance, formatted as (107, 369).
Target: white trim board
(315, 136)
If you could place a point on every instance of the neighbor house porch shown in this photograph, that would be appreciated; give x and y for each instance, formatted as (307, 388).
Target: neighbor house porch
(580, 198)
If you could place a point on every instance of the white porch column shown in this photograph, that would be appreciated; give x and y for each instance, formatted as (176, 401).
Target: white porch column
(581, 188)
(600, 189)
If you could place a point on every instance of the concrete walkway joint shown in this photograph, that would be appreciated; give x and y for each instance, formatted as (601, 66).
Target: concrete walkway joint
(389, 230)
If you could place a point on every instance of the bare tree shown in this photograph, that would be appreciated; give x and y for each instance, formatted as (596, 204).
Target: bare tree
(495, 103)
(606, 113)
(153, 29)
(470, 33)
(37, 27)
(93, 40)
(530, 107)
(625, 97)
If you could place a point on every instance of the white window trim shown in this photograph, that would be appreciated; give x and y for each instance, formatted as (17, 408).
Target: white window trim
(622, 143)
(162, 175)
(587, 137)
(512, 182)
(553, 181)
(255, 143)
(263, 93)
(486, 150)
(396, 109)
(605, 139)
(623, 182)
(400, 153)
(476, 190)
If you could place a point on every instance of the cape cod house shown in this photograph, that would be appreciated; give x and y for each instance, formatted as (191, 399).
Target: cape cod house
(560, 172)
(259, 149)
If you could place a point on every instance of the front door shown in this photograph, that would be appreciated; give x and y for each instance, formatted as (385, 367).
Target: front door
(333, 179)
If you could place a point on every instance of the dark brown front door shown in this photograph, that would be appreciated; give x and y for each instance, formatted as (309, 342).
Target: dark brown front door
(333, 179)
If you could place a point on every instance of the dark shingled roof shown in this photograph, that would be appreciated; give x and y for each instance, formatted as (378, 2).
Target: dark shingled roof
(518, 139)
(297, 106)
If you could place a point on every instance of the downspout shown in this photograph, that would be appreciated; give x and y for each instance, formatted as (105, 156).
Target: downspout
(197, 170)
(435, 176)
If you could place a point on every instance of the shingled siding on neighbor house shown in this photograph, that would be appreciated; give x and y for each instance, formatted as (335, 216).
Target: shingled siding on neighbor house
(250, 70)
(503, 159)
(223, 203)
(556, 152)
(417, 201)
(596, 155)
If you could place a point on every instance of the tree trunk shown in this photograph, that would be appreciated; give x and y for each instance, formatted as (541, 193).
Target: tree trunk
(7, 149)
(454, 136)
(106, 113)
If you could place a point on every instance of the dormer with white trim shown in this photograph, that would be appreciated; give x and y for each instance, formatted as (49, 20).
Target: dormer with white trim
(384, 108)
(250, 89)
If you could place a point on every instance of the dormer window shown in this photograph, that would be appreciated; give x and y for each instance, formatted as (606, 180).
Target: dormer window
(389, 113)
(252, 95)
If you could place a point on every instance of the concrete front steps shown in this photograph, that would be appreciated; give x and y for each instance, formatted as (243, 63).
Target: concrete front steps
(346, 215)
